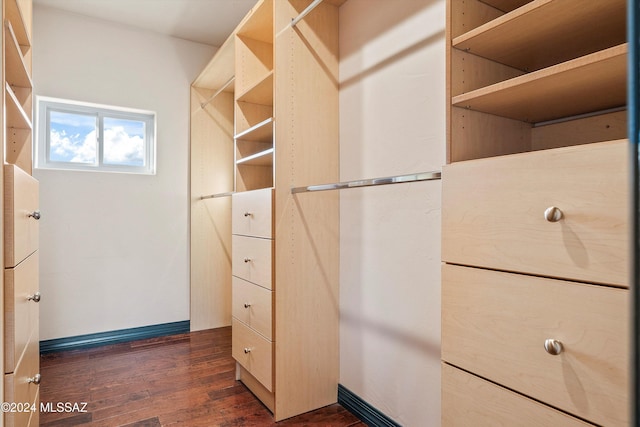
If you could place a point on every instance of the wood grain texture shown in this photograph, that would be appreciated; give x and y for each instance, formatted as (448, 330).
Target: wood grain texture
(252, 305)
(253, 260)
(254, 352)
(495, 324)
(258, 205)
(21, 235)
(211, 159)
(468, 400)
(493, 213)
(17, 388)
(186, 379)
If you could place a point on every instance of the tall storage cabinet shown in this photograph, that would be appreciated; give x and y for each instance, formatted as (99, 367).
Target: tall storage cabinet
(535, 299)
(21, 215)
(283, 257)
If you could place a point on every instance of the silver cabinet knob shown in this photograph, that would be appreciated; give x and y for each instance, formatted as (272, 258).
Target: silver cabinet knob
(553, 214)
(35, 297)
(247, 260)
(247, 305)
(35, 380)
(553, 347)
(35, 215)
(246, 214)
(247, 350)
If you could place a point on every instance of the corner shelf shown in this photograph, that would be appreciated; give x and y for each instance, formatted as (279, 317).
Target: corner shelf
(17, 73)
(16, 117)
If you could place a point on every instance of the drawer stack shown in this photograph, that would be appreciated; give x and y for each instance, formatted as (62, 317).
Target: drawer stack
(535, 205)
(252, 294)
(21, 295)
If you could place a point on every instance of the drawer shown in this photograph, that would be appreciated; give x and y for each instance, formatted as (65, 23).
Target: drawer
(20, 226)
(471, 401)
(17, 387)
(251, 260)
(493, 213)
(252, 213)
(495, 324)
(251, 304)
(20, 312)
(253, 352)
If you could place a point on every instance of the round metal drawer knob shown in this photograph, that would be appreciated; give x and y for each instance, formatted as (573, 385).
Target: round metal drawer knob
(248, 214)
(35, 380)
(553, 347)
(247, 350)
(35, 215)
(247, 260)
(553, 214)
(35, 297)
(247, 305)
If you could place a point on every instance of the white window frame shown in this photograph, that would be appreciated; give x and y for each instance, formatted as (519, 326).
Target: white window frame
(42, 141)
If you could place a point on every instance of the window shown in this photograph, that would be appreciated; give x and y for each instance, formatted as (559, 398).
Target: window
(81, 136)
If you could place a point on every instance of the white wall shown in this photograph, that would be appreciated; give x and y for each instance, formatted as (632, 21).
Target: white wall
(114, 248)
(392, 113)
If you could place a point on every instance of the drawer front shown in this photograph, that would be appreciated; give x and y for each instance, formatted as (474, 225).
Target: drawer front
(252, 260)
(471, 401)
(252, 213)
(496, 324)
(493, 213)
(18, 389)
(251, 304)
(20, 201)
(253, 352)
(20, 312)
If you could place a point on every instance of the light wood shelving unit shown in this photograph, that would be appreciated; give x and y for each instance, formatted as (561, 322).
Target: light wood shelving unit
(283, 260)
(20, 214)
(535, 205)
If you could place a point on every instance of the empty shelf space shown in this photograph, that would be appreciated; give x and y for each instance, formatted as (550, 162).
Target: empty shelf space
(17, 73)
(591, 83)
(15, 16)
(262, 158)
(262, 132)
(506, 5)
(546, 32)
(260, 93)
(259, 23)
(15, 114)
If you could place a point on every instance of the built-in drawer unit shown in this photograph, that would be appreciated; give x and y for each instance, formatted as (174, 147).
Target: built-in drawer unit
(560, 342)
(254, 352)
(560, 213)
(21, 215)
(21, 297)
(252, 213)
(468, 400)
(252, 305)
(252, 260)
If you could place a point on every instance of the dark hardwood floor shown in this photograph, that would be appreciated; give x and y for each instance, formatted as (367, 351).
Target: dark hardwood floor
(180, 380)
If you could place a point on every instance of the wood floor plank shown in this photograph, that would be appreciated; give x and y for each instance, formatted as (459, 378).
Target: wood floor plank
(180, 380)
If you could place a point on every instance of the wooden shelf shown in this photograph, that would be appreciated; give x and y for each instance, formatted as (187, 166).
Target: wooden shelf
(220, 69)
(17, 73)
(258, 24)
(262, 132)
(546, 32)
(506, 5)
(260, 93)
(16, 17)
(262, 158)
(592, 83)
(15, 115)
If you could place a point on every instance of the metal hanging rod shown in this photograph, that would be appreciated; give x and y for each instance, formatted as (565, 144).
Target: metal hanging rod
(218, 92)
(414, 177)
(215, 196)
(305, 12)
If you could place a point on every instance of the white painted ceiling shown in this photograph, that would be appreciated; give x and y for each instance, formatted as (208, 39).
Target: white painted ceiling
(203, 21)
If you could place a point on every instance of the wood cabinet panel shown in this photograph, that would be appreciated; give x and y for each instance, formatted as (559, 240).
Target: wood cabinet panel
(493, 213)
(252, 213)
(20, 309)
(252, 260)
(253, 352)
(20, 226)
(18, 387)
(495, 324)
(252, 305)
(468, 400)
